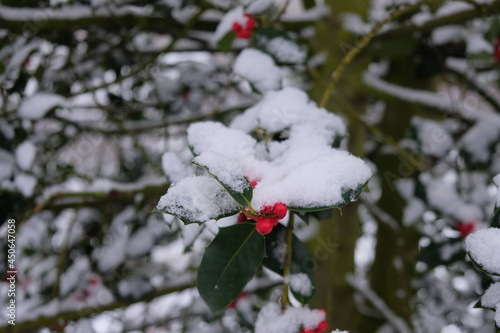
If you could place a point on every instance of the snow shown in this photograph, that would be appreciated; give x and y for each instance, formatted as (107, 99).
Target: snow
(215, 137)
(300, 283)
(483, 247)
(434, 139)
(6, 164)
(70, 12)
(225, 169)
(198, 199)
(271, 319)
(446, 34)
(444, 197)
(285, 51)
(451, 329)
(491, 297)
(174, 167)
(25, 183)
(36, 106)
(226, 23)
(259, 69)
(302, 170)
(258, 6)
(112, 254)
(281, 109)
(25, 154)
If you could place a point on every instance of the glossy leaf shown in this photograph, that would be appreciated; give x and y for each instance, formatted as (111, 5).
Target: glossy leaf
(242, 198)
(228, 263)
(348, 195)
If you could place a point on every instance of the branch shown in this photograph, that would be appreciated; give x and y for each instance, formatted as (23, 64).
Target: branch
(361, 44)
(86, 312)
(481, 10)
(362, 287)
(119, 192)
(287, 262)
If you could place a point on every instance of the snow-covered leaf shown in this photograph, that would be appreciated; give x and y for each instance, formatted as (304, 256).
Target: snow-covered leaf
(197, 199)
(228, 173)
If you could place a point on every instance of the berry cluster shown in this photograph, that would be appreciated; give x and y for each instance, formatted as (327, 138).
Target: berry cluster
(268, 217)
(496, 52)
(322, 327)
(466, 228)
(245, 32)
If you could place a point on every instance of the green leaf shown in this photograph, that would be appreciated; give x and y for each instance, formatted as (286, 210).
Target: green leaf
(197, 199)
(228, 263)
(302, 262)
(242, 198)
(481, 267)
(226, 42)
(348, 195)
(495, 220)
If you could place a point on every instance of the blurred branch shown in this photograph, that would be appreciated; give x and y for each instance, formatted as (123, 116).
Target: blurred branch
(146, 127)
(62, 200)
(469, 75)
(85, 312)
(480, 10)
(362, 287)
(352, 113)
(360, 45)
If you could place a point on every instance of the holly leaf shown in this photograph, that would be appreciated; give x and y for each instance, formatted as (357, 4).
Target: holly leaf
(228, 263)
(197, 199)
(225, 43)
(228, 174)
(348, 195)
(302, 262)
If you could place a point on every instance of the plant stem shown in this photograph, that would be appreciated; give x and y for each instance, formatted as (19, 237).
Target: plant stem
(287, 261)
(361, 44)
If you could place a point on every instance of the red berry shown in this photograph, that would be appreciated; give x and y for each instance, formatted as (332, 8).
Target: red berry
(242, 218)
(266, 210)
(237, 27)
(466, 228)
(274, 220)
(251, 23)
(496, 53)
(280, 210)
(322, 327)
(264, 226)
(244, 33)
(93, 280)
(258, 218)
(254, 183)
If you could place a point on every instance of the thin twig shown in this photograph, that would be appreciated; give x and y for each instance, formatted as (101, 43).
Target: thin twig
(361, 44)
(287, 262)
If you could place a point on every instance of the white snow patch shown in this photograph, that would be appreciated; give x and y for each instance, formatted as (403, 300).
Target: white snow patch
(226, 169)
(25, 154)
(272, 320)
(25, 183)
(226, 23)
(491, 297)
(258, 68)
(6, 164)
(483, 247)
(286, 51)
(198, 199)
(300, 283)
(451, 329)
(37, 105)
